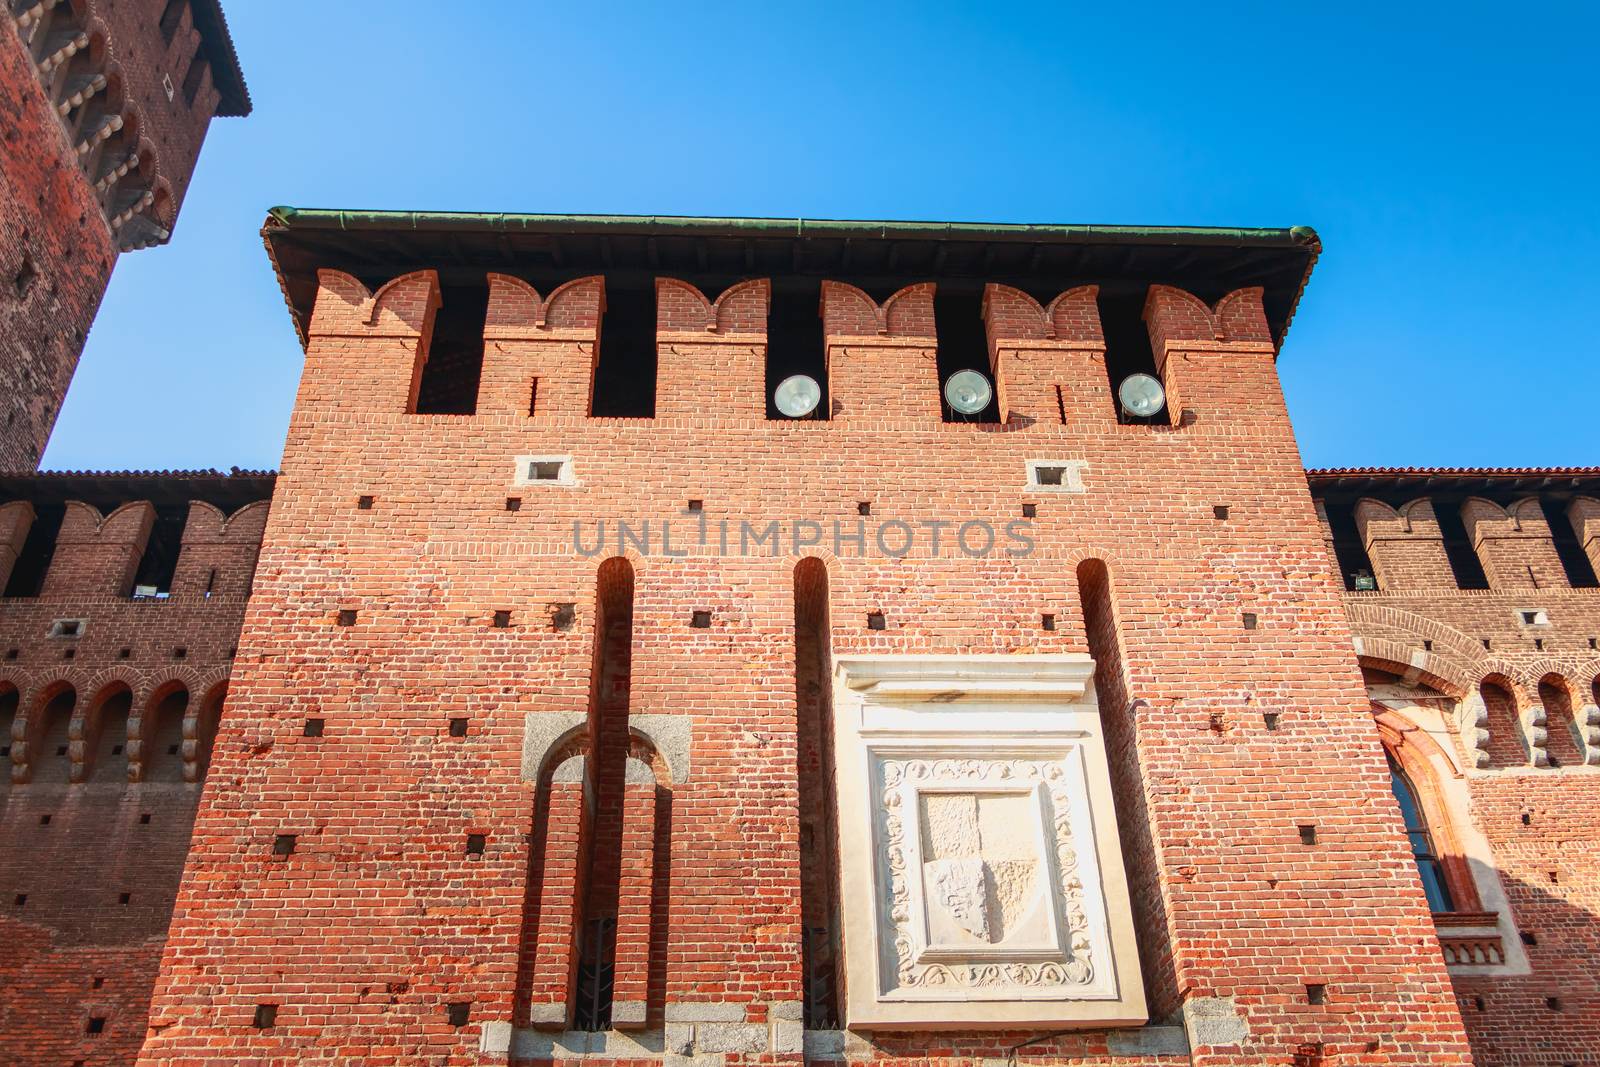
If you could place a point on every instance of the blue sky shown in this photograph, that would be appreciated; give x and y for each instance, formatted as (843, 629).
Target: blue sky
(1447, 156)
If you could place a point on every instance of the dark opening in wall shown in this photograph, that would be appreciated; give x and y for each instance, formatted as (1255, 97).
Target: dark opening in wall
(818, 852)
(1348, 550)
(170, 18)
(191, 80)
(625, 373)
(795, 343)
(1464, 561)
(1128, 349)
(27, 574)
(963, 342)
(610, 673)
(455, 353)
(1580, 572)
(159, 563)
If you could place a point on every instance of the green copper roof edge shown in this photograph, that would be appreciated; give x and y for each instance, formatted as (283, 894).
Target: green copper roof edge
(327, 218)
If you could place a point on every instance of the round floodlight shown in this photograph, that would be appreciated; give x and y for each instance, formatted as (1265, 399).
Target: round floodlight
(797, 396)
(1141, 395)
(967, 391)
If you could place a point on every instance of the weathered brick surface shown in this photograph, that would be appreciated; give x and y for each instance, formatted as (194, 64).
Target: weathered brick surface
(1540, 685)
(98, 158)
(377, 921)
(105, 754)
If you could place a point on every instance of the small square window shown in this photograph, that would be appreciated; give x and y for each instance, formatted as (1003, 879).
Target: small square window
(313, 727)
(700, 620)
(459, 1013)
(347, 617)
(458, 727)
(544, 470)
(502, 619)
(696, 506)
(180, 653)
(1534, 617)
(1047, 622)
(1249, 620)
(144, 819)
(475, 844)
(67, 628)
(1219, 511)
(863, 507)
(1030, 511)
(97, 1024)
(124, 898)
(124, 653)
(283, 845)
(1316, 993)
(875, 620)
(1308, 834)
(11, 653)
(266, 1015)
(513, 503)
(1056, 475)
(365, 502)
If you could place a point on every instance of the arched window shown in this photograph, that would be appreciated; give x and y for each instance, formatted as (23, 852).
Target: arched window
(1422, 849)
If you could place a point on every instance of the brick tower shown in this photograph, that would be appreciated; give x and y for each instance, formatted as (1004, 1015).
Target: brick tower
(587, 708)
(103, 107)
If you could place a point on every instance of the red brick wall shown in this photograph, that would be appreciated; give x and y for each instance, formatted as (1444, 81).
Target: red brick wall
(377, 921)
(116, 768)
(1541, 685)
(49, 219)
(53, 217)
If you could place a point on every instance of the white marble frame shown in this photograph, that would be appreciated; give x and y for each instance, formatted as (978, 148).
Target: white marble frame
(987, 708)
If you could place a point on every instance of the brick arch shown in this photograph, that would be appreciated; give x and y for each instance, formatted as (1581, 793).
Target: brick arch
(1563, 702)
(514, 302)
(200, 721)
(410, 300)
(1034, 322)
(1426, 766)
(35, 726)
(904, 314)
(572, 744)
(1370, 508)
(393, 296)
(88, 723)
(1241, 316)
(1450, 679)
(631, 555)
(1509, 743)
(642, 747)
(1446, 639)
(829, 561)
(564, 308)
(144, 728)
(1074, 314)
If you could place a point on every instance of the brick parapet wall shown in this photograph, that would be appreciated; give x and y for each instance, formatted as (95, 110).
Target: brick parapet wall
(1529, 815)
(382, 799)
(1514, 544)
(76, 951)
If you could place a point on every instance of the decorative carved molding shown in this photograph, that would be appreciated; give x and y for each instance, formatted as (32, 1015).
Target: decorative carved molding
(977, 806)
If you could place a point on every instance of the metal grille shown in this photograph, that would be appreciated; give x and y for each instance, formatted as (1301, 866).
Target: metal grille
(596, 974)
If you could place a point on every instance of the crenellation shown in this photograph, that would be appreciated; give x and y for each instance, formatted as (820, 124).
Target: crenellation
(1514, 543)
